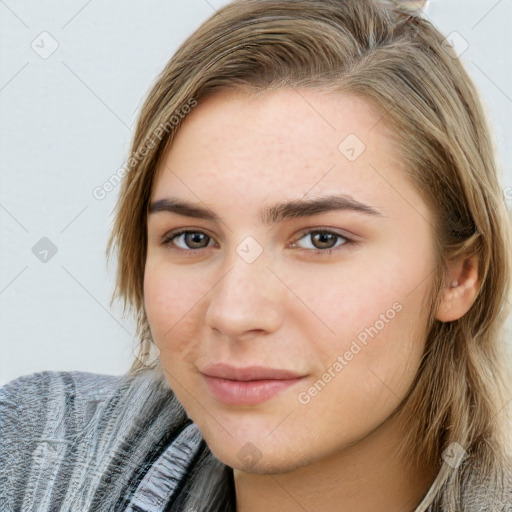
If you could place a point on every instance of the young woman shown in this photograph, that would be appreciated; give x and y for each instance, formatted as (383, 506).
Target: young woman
(312, 235)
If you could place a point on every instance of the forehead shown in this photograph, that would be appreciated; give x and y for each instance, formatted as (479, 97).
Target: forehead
(286, 142)
(283, 119)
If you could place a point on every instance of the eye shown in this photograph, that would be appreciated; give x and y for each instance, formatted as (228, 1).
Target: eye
(320, 241)
(323, 241)
(187, 240)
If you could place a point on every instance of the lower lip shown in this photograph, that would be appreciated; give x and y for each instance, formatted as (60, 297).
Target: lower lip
(253, 392)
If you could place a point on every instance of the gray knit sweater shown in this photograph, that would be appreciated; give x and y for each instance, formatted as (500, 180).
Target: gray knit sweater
(75, 441)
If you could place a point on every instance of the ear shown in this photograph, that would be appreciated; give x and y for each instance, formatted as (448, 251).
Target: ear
(460, 290)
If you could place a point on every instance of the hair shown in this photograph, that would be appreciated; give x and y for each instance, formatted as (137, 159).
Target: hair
(397, 63)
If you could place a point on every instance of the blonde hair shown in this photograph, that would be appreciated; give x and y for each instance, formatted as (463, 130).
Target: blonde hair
(399, 64)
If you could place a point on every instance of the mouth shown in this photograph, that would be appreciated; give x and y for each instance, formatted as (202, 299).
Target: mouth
(250, 385)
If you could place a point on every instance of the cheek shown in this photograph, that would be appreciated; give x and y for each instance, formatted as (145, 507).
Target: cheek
(376, 292)
(377, 326)
(171, 301)
(363, 374)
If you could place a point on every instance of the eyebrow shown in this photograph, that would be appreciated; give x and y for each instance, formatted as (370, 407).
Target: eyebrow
(273, 214)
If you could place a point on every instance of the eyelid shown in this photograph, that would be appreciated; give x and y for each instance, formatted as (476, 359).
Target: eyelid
(325, 229)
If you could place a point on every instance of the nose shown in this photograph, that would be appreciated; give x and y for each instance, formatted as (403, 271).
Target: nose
(247, 300)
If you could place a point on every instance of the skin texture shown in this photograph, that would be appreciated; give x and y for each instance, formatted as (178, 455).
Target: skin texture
(294, 307)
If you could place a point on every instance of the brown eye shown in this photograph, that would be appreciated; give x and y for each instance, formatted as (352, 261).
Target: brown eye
(322, 240)
(188, 240)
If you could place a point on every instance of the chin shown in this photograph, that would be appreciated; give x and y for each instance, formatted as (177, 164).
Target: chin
(261, 458)
(264, 466)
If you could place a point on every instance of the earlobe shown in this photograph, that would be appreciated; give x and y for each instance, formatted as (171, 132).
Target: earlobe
(460, 291)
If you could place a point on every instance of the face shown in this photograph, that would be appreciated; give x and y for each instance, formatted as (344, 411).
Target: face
(288, 262)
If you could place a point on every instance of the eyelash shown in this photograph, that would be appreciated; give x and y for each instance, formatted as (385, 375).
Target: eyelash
(169, 237)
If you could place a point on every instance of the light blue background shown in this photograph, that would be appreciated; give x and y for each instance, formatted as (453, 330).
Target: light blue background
(65, 127)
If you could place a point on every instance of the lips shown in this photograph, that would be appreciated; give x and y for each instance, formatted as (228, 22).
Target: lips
(250, 385)
(224, 371)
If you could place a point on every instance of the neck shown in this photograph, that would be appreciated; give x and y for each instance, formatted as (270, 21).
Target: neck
(363, 477)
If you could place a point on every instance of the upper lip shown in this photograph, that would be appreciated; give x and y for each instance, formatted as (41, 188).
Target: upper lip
(248, 373)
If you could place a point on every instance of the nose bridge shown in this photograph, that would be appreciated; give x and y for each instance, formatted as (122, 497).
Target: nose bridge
(247, 297)
(248, 272)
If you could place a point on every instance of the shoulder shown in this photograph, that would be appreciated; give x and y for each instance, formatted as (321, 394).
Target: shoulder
(42, 384)
(35, 397)
(76, 437)
(79, 398)
(481, 487)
